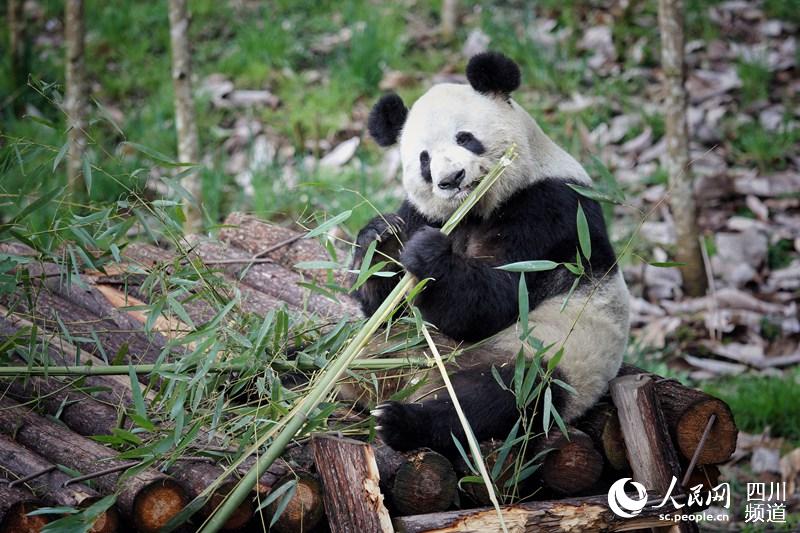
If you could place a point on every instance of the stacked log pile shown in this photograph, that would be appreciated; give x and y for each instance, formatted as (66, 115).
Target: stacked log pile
(89, 323)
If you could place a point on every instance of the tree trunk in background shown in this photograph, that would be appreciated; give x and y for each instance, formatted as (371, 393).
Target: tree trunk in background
(671, 24)
(185, 125)
(449, 17)
(16, 35)
(76, 93)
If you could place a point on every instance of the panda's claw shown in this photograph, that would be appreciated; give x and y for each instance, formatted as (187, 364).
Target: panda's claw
(399, 425)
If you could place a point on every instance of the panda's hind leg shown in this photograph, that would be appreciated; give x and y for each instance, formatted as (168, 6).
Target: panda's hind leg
(490, 409)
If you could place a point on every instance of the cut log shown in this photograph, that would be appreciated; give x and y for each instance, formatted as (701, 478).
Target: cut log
(150, 498)
(573, 465)
(58, 352)
(116, 333)
(304, 511)
(22, 462)
(274, 284)
(552, 516)
(421, 481)
(196, 476)
(601, 424)
(15, 504)
(80, 412)
(351, 483)
(687, 412)
(653, 460)
(287, 246)
(112, 389)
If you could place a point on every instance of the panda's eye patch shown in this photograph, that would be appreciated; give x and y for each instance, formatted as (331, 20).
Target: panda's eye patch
(468, 141)
(425, 166)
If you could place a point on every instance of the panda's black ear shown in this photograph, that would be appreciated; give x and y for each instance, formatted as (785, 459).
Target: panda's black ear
(492, 72)
(386, 119)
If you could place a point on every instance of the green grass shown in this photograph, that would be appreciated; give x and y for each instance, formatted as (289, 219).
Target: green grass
(752, 144)
(270, 46)
(759, 402)
(756, 78)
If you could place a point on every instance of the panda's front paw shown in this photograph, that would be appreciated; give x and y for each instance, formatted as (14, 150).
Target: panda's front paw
(427, 253)
(387, 230)
(401, 426)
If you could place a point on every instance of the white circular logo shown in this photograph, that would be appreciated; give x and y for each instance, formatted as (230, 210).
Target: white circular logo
(621, 504)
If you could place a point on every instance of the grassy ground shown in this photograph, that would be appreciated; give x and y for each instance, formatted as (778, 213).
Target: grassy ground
(259, 45)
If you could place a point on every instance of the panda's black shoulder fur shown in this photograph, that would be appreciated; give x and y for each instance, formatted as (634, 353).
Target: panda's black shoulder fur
(469, 298)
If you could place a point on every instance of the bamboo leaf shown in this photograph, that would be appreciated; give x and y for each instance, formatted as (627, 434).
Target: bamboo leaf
(584, 237)
(328, 224)
(316, 265)
(553, 362)
(87, 175)
(547, 409)
(666, 264)
(60, 155)
(595, 195)
(569, 294)
(529, 266)
(136, 392)
(524, 307)
(505, 449)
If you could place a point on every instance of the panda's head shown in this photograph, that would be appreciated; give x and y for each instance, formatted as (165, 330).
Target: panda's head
(454, 134)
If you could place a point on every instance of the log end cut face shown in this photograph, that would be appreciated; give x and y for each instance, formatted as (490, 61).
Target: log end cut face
(16, 519)
(157, 504)
(721, 441)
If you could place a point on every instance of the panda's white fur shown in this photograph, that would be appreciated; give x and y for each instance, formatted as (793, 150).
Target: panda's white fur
(592, 327)
(449, 107)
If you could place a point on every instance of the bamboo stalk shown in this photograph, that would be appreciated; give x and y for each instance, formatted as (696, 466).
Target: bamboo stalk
(329, 377)
(474, 447)
(124, 370)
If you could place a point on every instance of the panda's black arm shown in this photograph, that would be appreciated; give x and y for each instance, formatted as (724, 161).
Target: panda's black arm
(391, 230)
(467, 299)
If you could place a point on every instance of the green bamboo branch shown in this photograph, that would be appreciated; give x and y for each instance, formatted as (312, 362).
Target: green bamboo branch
(124, 370)
(329, 377)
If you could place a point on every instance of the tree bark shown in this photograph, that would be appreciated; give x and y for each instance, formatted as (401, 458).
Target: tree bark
(353, 499)
(649, 449)
(22, 462)
(686, 412)
(196, 476)
(573, 465)
(416, 482)
(682, 201)
(150, 498)
(553, 516)
(285, 246)
(17, 44)
(601, 424)
(185, 124)
(76, 94)
(112, 389)
(274, 284)
(449, 18)
(305, 509)
(80, 412)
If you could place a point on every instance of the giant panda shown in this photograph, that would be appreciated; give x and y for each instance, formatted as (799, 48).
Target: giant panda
(448, 140)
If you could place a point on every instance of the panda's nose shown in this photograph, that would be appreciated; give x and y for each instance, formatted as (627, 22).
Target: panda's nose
(453, 180)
